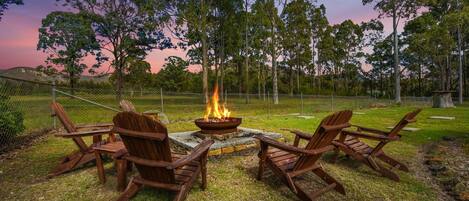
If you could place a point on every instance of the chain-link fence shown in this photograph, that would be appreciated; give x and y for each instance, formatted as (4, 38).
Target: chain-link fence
(24, 109)
(24, 105)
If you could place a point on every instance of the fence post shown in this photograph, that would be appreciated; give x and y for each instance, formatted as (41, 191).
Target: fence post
(332, 102)
(226, 96)
(302, 103)
(54, 98)
(161, 100)
(268, 104)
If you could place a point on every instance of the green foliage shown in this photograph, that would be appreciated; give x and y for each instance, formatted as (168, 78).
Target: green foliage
(5, 3)
(68, 38)
(125, 29)
(11, 120)
(174, 76)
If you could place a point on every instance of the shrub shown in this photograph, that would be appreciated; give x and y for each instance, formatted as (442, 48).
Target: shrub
(11, 120)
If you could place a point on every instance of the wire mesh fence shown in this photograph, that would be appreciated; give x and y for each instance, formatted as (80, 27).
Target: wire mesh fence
(23, 108)
(24, 105)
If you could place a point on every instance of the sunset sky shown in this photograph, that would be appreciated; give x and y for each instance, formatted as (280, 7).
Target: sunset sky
(19, 31)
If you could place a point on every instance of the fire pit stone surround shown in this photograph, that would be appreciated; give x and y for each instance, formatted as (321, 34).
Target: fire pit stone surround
(242, 139)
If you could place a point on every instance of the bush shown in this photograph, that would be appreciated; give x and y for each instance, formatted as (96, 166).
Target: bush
(11, 120)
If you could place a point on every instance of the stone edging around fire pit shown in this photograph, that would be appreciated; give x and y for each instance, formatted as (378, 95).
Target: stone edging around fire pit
(243, 140)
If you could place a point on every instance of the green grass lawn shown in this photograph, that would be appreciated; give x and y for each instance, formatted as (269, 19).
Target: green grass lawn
(231, 177)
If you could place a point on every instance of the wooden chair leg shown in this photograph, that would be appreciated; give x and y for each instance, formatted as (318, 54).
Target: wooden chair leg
(100, 167)
(203, 172)
(388, 173)
(130, 191)
(121, 174)
(69, 162)
(262, 159)
(329, 180)
(393, 162)
(335, 155)
(129, 166)
(303, 195)
(181, 195)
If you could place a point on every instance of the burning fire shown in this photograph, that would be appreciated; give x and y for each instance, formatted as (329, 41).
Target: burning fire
(214, 109)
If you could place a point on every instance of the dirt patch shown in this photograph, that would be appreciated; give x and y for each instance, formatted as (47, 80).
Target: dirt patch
(10, 149)
(448, 164)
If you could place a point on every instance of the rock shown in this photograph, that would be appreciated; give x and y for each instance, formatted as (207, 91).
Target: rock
(448, 138)
(437, 168)
(378, 105)
(460, 188)
(464, 196)
(434, 161)
(448, 182)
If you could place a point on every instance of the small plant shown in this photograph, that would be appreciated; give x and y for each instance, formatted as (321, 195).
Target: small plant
(11, 120)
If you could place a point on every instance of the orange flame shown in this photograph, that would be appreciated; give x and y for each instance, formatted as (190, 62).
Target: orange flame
(214, 109)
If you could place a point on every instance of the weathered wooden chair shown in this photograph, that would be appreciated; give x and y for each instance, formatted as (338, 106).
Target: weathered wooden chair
(127, 106)
(85, 153)
(289, 161)
(349, 142)
(148, 148)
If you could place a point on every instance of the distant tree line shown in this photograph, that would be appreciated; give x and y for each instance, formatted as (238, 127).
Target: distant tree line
(265, 46)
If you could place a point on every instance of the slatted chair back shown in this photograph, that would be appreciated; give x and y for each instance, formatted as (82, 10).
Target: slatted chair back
(408, 118)
(327, 131)
(127, 106)
(149, 142)
(69, 126)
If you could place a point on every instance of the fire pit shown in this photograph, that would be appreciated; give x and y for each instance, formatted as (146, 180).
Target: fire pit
(223, 129)
(217, 122)
(218, 126)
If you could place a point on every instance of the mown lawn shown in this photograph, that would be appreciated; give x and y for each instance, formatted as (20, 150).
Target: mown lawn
(233, 177)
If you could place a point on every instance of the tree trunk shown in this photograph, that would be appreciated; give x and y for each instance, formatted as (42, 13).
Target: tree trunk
(120, 80)
(460, 71)
(258, 80)
(420, 80)
(222, 73)
(274, 66)
(290, 83)
(246, 58)
(240, 78)
(204, 54)
(72, 83)
(397, 70)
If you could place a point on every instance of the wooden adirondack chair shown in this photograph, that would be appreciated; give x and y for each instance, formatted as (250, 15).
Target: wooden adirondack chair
(349, 142)
(127, 106)
(148, 148)
(84, 154)
(289, 161)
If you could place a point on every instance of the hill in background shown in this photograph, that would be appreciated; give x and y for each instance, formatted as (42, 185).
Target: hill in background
(28, 73)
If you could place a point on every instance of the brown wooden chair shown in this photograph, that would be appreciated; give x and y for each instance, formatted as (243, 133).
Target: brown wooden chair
(349, 142)
(85, 153)
(290, 161)
(148, 148)
(127, 106)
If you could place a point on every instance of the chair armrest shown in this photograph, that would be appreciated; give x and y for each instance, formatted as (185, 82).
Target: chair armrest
(120, 154)
(368, 136)
(298, 133)
(371, 130)
(298, 136)
(289, 148)
(84, 133)
(199, 150)
(94, 125)
(412, 120)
